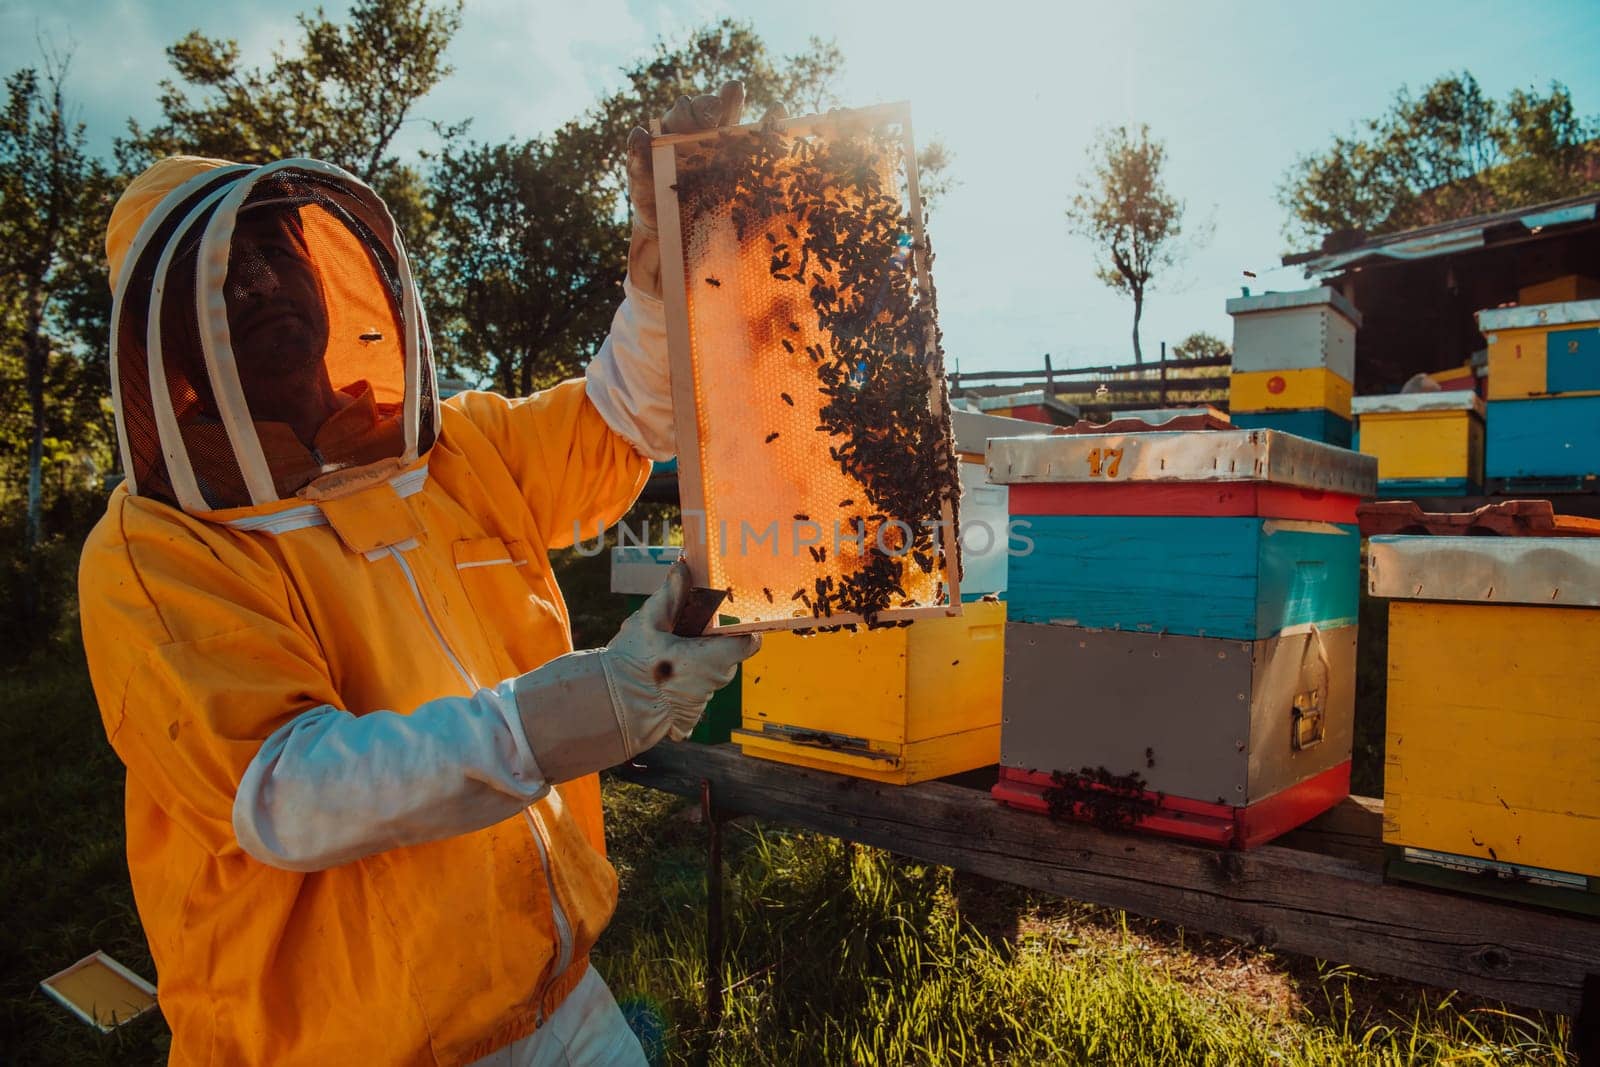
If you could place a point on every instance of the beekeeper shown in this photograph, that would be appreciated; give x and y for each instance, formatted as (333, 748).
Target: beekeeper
(364, 820)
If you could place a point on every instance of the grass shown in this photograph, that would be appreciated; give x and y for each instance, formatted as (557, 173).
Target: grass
(844, 954)
(837, 954)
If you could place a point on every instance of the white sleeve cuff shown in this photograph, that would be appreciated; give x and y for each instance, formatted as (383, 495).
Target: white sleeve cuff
(329, 787)
(629, 381)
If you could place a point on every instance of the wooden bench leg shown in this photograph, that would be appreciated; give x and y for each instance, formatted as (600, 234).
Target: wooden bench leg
(1586, 1024)
(715, 949)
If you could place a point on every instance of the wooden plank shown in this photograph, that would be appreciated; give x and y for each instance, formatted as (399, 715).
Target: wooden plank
(1351, 830)
(1328, 906)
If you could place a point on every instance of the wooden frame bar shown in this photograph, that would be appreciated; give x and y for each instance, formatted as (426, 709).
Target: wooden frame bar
(1318, 891)
(691, 485)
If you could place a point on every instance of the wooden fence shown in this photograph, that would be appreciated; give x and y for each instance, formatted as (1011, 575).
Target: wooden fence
(1110, 388)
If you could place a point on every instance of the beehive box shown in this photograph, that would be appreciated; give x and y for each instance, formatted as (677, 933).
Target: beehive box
(1426, 444)
(1308, 389)
(1242, 740)
(636, 572)
(1492, 776)
(900, 705)
(1192, 594)
(1550, 444)
(1226, 533)
(1300, 330)
(1543, 349)
(1316, 424)
(1035, 406)
(985, 507)
(1557, 290)
(817, 474)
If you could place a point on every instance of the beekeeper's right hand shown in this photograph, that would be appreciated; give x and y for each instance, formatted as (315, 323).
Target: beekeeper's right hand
(587, 711)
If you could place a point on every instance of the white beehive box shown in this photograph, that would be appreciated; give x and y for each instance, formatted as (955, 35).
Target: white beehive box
(1304, 329)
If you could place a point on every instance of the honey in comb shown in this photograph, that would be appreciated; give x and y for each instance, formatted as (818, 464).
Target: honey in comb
(809, 240)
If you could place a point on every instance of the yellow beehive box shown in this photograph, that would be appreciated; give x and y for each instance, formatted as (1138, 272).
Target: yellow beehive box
(1493, 733)
(1543, 349)
(1556, 290)
(899, 705)
(1289, 390)
(1425, 443)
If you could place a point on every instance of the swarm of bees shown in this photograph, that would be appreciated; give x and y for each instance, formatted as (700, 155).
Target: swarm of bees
(1096, 795)
(831, 216)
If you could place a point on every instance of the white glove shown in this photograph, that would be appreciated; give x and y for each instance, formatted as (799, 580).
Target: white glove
(686, 116)
(653, 683)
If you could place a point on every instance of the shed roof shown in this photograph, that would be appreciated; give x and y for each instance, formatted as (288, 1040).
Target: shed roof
(1458, 235)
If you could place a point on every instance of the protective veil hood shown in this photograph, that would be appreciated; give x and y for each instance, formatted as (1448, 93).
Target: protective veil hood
(266, 334)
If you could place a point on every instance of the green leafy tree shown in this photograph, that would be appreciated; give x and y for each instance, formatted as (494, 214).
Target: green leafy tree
(730, 49)
(1123, 208)
(1448, 152)
(1201, 345)
(342, 96)
(54, 199)
(529, 237)
(527, 258)
(54, 437)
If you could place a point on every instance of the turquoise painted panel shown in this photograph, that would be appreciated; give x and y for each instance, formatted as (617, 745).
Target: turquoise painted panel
(1424, 487)
(1317, 424)
(1572, 360)
(1309, 572)
(1241, 578)
(1541, 438)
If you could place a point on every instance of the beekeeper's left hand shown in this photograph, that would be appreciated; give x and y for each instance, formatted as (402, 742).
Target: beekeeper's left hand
(686, 116)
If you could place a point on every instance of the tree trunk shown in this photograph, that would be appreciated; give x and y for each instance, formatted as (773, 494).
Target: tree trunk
(1138, 310)
(37, 351)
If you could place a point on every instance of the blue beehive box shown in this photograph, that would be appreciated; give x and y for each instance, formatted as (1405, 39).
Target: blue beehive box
(1314, 424)
(1180, 644)
(1544, 442)
(1230, 534)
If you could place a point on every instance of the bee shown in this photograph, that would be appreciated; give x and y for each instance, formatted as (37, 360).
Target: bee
(787, 399)
(847, 502)
(713, 282)
(771, 437)
(788, 346)
(768, 593)
(801, 516)
(795, 326)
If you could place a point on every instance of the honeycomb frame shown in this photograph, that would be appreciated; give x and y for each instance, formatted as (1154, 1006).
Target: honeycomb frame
(935, 592)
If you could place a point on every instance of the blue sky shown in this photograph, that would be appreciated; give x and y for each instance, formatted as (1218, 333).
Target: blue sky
(1015, 90)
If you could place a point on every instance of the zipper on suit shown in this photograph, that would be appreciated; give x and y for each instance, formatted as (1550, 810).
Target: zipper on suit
(558, 915)
(438, 634)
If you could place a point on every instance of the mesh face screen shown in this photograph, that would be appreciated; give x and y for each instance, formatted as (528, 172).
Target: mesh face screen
(315, 332)
(824, 449)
